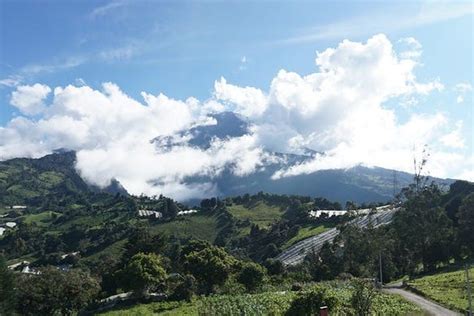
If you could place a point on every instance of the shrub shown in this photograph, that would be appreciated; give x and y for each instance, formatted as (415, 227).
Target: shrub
(309, 302)
(363, 296)
(185, 290)
(251, 275)
(296, 287)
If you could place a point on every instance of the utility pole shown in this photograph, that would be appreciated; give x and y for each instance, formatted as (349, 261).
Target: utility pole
(394, 184)
(380, 266)
(468, 285)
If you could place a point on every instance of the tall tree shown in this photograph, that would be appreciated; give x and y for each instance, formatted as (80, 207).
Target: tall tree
(53, 291)
(424, 232)
(144, 272)
(466, 224)
(210, 265)
(7, 289)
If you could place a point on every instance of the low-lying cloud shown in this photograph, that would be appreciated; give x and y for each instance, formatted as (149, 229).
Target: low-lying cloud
(338, 111)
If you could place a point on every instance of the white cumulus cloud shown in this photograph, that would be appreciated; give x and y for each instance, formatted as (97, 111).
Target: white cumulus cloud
(29, 99)
(338, 111)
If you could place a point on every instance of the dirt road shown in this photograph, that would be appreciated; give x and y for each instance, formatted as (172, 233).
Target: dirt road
(429, 306)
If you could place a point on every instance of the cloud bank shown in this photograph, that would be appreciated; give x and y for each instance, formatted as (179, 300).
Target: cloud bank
(338, 111)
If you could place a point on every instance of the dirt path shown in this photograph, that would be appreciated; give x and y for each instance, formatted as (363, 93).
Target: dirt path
(429, 306)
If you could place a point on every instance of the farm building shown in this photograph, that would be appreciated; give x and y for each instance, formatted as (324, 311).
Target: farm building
(187, 212)
(149, 214)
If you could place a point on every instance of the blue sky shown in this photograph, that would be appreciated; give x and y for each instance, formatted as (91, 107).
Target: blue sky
(181, 48)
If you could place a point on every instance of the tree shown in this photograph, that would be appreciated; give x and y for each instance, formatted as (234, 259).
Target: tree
(274, 267)
(144, 272)
(53, 291)
(7, 286)
(466, 223)
(363, 297)
(210, 265)
(185, 289)
(423, 232)
(142, 240)
(251, 275)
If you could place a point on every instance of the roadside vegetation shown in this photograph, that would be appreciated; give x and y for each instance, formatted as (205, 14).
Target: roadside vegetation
(307, 301)
(447, 288)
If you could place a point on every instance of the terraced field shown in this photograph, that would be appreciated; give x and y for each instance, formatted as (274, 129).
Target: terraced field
(296, 253)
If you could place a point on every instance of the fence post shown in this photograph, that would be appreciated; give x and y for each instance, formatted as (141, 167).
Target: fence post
(468, 286)
(323, 311)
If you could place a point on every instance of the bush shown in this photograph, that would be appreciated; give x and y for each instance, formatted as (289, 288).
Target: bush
(251, 275)
(310, 302)
(144, 272)
(55, 292)
(363, 296)
(296, 287)
(185, 290)
(274, 267)
(231, 286)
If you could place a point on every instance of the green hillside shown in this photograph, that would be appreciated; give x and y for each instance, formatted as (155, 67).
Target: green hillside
(447, 288)
(259, 213)
(30, 181)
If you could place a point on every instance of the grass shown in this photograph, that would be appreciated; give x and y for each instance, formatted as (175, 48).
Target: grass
(50, 178)
(266, 303)
(308, 231)
(40, 219)
(260, 213)
(161, 308)
(448, 289)
(19, 190)
(200, 226)
(115, 250)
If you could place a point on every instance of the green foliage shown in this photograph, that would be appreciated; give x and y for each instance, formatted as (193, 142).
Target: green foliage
(53, 291)
(308, 231)
(310, 302)
(424, 233)
(7, 286)
(251, 275)
(448, 288)
(142, 240)
(171, 308)
(199, 226)
(274, 267)
(185, 289)
(209, 264)
(466, 224)
(270, 303)
(144, 272)
(363, 296)
(259, 213)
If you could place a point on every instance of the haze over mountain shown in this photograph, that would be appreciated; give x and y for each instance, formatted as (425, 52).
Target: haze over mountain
(24, 180)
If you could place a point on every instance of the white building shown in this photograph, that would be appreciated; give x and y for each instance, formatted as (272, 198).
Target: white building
(148, 213)
(10, 224)
(329, 213)
(187, 212)
(1, 231)
(18, 264)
